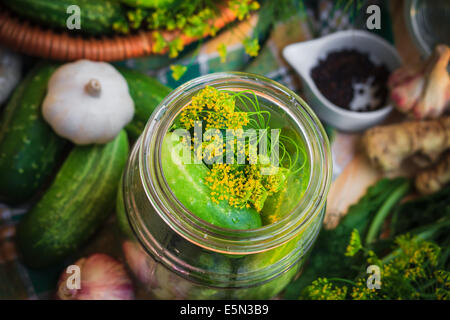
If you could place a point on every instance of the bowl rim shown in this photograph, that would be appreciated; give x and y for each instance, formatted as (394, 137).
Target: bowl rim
(316, 92)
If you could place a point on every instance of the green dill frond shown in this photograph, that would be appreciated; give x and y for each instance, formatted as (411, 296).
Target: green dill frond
(355, 244)
(324, 289)
(412, 271)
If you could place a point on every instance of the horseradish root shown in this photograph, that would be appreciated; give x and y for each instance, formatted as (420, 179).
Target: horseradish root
(387, 146)
(433, 179)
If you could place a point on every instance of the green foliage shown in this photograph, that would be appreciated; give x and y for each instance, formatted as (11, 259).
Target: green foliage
(413, 273)
(175, 47)
(349, 6)
(413, 261)
(222, 50)
(193, 19)
(355, 244)
(243, 8)
(328, 257)
(251, 46)
(421, 211)
(384, 210)
(178, 71)
(324, 289)
(121, 26)
(273, 12)
(136, 17)
(159, 43)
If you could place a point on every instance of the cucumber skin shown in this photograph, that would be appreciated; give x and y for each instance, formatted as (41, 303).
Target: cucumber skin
(79, 200)
(29, 149)
(147, 93)
(187, 184)
(96, 16)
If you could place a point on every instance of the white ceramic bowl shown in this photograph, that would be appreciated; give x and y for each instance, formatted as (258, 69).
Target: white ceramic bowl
(303, 56)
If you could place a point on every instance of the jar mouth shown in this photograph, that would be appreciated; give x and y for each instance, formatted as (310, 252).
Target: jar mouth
(207, 235)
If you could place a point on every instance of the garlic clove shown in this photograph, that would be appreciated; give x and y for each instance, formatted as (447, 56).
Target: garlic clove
(101, 278)
(436, 94)
(403, 74)
(405, 95)
(423, 92)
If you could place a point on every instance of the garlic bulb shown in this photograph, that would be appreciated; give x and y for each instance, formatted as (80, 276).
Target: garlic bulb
(87, 102)
(101, 278)
(423, 92)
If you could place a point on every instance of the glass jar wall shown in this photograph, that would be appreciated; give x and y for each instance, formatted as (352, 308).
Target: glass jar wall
(173, 254)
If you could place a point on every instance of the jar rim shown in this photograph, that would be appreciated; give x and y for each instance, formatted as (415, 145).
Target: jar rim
(207, 235)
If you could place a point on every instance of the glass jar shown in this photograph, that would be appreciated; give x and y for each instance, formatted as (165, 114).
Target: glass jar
(175, 255)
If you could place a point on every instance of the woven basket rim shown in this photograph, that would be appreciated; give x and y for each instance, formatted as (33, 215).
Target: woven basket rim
(35, 40)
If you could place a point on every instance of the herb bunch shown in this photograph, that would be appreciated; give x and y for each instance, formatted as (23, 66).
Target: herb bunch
(413, 258)
(240, 183)
(194, 18)
(414, 270)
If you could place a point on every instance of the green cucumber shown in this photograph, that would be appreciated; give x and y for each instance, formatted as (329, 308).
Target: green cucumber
(80, 198)
(96, 16)
(284, 201)
(187, 183)
(147, 93)
(295, 185)
(29, 149)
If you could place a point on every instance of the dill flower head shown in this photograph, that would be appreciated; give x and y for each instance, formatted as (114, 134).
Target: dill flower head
(216, 108)
(323, 289)
(413, 273)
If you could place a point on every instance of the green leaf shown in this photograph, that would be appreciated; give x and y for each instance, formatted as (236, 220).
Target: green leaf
(175, 47)
(222, 50)
(160, 44)
(178, 70)
(355, 244)
(421, 211)
(251, 46)
(328, 257)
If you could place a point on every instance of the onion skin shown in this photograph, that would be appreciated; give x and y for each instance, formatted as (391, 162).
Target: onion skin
(102, 278)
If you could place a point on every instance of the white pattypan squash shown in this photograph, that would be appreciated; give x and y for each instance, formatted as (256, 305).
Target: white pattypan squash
(87, 102)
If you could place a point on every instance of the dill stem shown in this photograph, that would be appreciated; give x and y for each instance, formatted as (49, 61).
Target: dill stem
(384, 210)
(343, 280)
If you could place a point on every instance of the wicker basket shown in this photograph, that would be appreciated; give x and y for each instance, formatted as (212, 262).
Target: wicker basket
(34, 40)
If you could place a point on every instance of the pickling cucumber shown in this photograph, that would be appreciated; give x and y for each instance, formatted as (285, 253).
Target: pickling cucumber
(80, 198)
(29, 149)
(187, 183)
(147, 93)
(283, 202)
(96, 16)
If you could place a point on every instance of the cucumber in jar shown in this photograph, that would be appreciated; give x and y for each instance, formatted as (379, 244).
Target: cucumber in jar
(186, 181)
(283, 202)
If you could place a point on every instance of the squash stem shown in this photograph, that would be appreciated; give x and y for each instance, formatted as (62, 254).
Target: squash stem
(93, 88)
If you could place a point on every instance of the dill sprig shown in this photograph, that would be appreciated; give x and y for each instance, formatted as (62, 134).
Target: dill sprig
(414, 271)
(241, 184)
